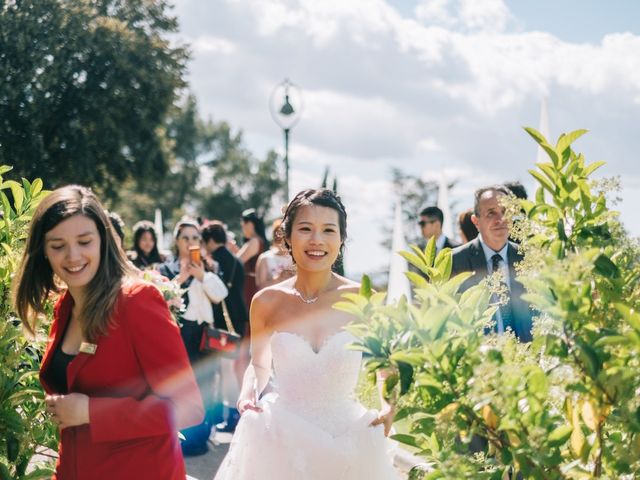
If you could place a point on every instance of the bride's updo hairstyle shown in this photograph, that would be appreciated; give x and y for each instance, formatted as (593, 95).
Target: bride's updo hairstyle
(322, 197)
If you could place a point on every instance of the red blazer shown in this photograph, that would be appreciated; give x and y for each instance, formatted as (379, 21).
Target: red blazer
(141, 391)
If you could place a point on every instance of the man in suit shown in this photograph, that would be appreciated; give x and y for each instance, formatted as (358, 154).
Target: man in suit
(492, 251)
(431, 219)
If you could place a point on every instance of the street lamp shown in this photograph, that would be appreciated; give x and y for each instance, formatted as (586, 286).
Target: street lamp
(286, 116)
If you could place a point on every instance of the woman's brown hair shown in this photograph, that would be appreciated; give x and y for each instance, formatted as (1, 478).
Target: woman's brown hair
(35, 278)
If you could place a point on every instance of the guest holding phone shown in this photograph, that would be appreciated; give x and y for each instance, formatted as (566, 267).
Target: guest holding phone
(203, 289)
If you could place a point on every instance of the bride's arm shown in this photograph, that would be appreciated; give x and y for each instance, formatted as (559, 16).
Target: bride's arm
(387, 410)
(258, 372)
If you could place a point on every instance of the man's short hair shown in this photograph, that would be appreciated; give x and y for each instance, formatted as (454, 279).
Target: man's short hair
(215, 231)
(517, 189)
(433, 212)
(493, 188)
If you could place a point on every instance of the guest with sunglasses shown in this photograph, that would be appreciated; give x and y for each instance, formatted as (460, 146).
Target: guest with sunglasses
(431, 219)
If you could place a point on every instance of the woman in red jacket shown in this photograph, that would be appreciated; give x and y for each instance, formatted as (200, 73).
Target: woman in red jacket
(115, 370)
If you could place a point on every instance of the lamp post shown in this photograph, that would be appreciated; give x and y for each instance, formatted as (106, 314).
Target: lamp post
(286, 116)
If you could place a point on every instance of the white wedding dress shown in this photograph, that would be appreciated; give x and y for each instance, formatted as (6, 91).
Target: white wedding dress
(311, 427)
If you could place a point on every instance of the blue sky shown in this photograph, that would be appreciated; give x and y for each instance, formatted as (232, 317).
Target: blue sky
(430, 86)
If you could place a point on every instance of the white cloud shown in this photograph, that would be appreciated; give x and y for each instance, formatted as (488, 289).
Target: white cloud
(210, 44)
(446, 86)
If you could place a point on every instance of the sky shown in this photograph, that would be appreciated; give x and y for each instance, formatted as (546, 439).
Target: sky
(434, 87)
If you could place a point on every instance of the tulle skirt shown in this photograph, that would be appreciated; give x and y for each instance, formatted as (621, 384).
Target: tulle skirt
(279, 443)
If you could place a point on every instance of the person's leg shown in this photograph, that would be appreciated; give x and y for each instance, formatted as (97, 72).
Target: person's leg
(195, 438)
(230, 392)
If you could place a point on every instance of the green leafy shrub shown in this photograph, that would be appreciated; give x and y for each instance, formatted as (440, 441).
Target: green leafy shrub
(23, 426)
(563, 407)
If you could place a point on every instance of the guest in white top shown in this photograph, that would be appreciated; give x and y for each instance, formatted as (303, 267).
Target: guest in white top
(274, 265)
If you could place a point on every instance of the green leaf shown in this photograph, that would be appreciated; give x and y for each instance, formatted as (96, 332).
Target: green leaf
(548, 170)
(416, 261)
(416, 279)
(629, 314)
(444, 263)
(430, 251)
(406, 439)
(589, 358)
(36, 187)
(560, 435)
(18, 195)
(543, 181)
(365, 286)
(612, 340)
(413, 358)
(348, 307)
(536, 135)
(605, 267)
(566, 140)
(593, 167)
(5, 169)
(406, 377)
(389, 384)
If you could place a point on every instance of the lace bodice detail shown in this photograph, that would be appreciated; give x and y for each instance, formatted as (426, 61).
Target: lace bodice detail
(318, 385)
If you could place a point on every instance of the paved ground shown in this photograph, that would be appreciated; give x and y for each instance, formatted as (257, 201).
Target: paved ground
(204, 467)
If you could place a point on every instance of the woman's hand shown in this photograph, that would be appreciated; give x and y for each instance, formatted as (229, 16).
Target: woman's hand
(245, 404)
(68, 410)
(385, 417)
(184, 271)
(196, 270)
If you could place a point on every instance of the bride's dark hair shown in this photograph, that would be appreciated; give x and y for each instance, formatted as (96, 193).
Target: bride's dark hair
(322, 197)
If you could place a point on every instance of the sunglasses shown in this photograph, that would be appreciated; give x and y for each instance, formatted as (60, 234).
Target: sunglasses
(195, 238)
(422, 223)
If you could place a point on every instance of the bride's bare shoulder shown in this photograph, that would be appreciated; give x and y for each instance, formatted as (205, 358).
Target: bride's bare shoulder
(272, 295)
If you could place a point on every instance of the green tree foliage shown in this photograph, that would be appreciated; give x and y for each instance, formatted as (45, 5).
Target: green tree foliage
(188, 140)
(23, 424)
(236, 180)
(563, 407)
(86, 86)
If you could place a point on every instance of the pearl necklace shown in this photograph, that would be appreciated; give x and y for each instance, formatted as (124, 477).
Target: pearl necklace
(308, 301)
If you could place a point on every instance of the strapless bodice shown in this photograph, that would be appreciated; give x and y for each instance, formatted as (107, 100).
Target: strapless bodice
(316, 384)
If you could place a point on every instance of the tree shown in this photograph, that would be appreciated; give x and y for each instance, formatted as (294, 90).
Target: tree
(188, 142)
(237, 179)
(85, 90)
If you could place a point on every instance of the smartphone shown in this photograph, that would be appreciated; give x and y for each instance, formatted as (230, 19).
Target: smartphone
(194, 254)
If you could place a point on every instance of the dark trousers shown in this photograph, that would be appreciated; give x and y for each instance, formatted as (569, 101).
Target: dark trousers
(205, 366)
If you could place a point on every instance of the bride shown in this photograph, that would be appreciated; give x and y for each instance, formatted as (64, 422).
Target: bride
(310, 427)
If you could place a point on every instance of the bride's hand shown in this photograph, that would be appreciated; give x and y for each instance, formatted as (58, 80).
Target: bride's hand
(385, 417)
(245, 404)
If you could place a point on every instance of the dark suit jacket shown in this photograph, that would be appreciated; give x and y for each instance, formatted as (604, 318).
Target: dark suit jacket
(141, 391)
(470, 258)
(232, 274)
(448, 243)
